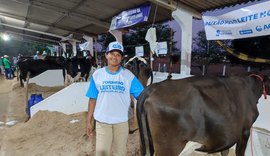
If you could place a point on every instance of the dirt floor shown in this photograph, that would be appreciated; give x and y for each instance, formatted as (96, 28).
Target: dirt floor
(46, 133)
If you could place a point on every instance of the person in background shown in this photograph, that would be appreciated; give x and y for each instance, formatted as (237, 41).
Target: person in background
(2, 66)
(36, 56)
(14, 65)
(109, 102)
(7, 67)
(44, 55)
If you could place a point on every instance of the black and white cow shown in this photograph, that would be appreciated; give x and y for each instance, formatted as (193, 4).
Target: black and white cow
(36, 67)
(78, 68)
(140, 67)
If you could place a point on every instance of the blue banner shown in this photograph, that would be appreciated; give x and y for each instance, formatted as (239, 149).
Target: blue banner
(130, 17)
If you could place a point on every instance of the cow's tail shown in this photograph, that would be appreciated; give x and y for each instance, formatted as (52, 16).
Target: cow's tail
(64, 72)
(147, 148)
(152, 77)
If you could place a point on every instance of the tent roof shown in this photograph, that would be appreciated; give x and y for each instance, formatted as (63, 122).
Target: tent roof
(50, 20)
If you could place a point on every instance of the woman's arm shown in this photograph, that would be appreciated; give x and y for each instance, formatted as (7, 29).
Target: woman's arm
(91, 108)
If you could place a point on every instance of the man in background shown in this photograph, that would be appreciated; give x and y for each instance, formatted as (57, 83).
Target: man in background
(7, 66)
(2, 70)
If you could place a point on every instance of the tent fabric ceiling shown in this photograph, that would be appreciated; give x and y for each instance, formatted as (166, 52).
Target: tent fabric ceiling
(53, 19)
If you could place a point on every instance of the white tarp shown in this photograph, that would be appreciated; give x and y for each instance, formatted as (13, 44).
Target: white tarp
(63, 45)
(152, 39)
(246, 22)
(88, 45)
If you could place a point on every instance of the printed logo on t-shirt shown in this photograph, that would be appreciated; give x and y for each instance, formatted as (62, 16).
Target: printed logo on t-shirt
(112, 86)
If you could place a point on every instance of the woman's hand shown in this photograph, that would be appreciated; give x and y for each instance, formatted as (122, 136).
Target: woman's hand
(89, 129)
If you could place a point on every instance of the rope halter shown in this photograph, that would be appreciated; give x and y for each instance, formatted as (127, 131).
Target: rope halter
(261, 78)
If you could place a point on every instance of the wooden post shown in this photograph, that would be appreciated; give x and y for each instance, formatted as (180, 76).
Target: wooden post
(26, 95)
(224, 70)
(151, 62)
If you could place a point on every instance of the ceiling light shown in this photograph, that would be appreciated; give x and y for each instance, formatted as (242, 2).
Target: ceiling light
(5, 37)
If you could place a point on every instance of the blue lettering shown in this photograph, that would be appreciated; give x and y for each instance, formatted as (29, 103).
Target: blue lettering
(259, 28)
(255, 16)
(263, 14)
(266, 27)
(249, 17)
(112, 88)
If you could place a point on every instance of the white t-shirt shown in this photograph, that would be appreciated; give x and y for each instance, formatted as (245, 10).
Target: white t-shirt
(112, 93)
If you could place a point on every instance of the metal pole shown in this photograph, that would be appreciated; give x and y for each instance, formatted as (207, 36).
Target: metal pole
(36, 31)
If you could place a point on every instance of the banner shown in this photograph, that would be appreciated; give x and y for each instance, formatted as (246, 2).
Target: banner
(130, 17)
(246, 22)
(139, 51)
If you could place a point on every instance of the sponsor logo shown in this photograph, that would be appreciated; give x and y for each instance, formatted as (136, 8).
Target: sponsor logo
(223, 32)
(245, 32)
(263, 28)
(117, 46)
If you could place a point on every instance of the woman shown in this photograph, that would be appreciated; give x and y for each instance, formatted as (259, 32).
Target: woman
(109, 100)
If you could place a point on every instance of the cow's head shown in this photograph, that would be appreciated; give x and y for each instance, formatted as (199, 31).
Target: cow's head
(140, 68)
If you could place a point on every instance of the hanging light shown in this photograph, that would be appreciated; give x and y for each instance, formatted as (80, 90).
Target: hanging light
(5, 37)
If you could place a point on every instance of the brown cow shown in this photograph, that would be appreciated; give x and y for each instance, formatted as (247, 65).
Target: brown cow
(216, 112)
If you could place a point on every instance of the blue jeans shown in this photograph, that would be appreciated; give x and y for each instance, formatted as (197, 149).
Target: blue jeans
(8, 73)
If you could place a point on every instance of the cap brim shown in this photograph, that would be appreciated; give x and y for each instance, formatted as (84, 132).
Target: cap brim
(117, 51)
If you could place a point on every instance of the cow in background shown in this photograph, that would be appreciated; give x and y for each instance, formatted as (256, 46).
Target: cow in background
(78, 68)
(216, 112)
(36, 67)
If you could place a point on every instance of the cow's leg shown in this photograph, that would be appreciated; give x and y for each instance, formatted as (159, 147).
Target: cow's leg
(17, 73)
(133, 124)
(242, 143)
(86, 76)
(166, 140)
(171, 147)
(67, 80)
(21, 81)
(77, 77)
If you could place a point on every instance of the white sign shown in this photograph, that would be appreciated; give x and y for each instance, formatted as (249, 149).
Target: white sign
(162, 48)
(139, 51)
(246, 22)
